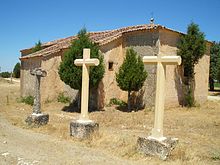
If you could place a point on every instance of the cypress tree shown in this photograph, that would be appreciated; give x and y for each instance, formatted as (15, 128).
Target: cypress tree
(131, 75)
(16, 70)
(192, 47)
(214, 64)
(71, 74)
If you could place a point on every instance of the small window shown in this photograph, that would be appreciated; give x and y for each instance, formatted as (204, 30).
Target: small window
(110, 66)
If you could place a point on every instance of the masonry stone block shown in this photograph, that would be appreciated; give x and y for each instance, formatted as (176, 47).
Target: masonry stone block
(160, 148)
(83, 129)
(36, 120)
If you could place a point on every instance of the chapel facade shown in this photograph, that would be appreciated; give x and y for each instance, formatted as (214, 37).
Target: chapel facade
(147, 39)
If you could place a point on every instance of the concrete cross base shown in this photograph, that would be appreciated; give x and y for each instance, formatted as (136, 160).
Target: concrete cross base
(161, 148)
(37, 120)
(83, 129)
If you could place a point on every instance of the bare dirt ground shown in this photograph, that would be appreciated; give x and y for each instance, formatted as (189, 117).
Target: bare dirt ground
(198, 130)
(214, 95)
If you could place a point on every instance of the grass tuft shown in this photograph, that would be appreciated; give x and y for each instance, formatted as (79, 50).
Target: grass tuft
(63, 99)
(27, 100)
(116, 101)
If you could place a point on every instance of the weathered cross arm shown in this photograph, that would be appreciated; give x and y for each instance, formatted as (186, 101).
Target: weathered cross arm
(88, 62)
(168, 60)
(38, 72)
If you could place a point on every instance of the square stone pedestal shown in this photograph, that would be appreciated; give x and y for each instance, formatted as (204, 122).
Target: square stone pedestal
(37, 120)
(152, 146)
(83, 129)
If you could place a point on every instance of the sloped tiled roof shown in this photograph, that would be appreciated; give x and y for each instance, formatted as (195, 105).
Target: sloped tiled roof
(101, 38)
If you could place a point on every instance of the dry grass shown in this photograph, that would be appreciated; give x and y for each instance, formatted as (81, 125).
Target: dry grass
(198, 129)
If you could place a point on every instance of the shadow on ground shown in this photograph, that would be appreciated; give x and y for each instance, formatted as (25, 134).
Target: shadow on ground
(74, 107)
(215, 92)
(125, 108)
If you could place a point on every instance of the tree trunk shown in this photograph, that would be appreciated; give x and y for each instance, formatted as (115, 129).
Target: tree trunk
(190, 93)
(79, 101)
(211, 84)
(129, 101)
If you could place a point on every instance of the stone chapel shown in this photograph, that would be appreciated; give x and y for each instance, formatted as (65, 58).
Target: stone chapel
(147, 39)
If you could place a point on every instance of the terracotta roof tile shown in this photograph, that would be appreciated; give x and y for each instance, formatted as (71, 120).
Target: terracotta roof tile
(101, 38)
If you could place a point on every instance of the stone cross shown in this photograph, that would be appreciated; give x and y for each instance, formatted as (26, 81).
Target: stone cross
(161, 61)
(86, 62)
(38, 73)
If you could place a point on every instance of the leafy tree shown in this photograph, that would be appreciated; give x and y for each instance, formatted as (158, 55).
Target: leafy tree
(192, 47)
(214, 64)
(5, 74)
(38, 46)
(72, 74)
(16, 70)
(131, 75)
(218, 73)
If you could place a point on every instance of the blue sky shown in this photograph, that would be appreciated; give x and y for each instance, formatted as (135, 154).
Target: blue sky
(24, 22)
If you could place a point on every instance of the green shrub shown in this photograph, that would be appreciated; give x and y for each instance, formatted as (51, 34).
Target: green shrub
(115, 101)
(63, 99)
(5, 74)
(28, 100)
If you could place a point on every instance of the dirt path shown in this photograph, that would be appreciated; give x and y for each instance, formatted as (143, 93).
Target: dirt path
(21, 146)
(214, 98)
(13, 80)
